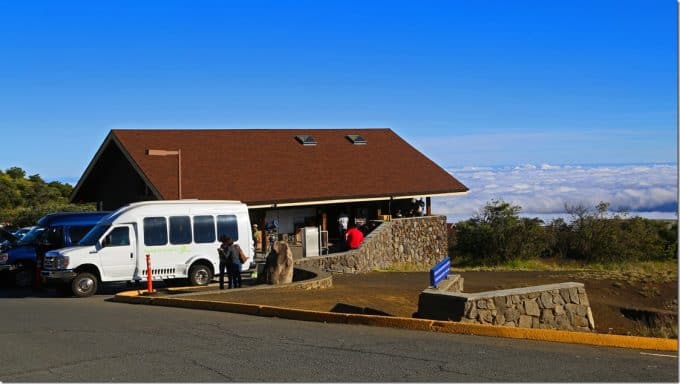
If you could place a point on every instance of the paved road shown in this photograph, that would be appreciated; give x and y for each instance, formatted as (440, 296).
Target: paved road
(49, 338)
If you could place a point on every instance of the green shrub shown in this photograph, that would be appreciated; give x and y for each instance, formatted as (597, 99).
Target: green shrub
(498, 236)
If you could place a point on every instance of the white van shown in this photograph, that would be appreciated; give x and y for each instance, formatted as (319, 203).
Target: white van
(181, 237)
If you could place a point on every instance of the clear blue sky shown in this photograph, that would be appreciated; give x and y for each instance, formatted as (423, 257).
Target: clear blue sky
(467, 82)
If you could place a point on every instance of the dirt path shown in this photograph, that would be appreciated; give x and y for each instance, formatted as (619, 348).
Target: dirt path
(396, 294)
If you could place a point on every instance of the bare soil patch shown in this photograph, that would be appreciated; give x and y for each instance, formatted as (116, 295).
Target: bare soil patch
(611, 294)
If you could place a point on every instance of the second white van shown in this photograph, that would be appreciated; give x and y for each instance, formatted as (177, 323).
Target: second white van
(181, 237)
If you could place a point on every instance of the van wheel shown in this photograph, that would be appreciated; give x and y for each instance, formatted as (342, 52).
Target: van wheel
(200, 274)
(84, 284)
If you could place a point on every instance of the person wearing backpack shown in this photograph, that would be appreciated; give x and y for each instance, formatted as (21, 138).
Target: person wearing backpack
(231, 257)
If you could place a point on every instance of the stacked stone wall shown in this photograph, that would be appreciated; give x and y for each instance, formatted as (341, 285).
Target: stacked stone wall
(555, 306)
(418, 241)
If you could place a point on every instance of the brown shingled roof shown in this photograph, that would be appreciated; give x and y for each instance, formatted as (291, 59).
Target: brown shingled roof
(265, 166)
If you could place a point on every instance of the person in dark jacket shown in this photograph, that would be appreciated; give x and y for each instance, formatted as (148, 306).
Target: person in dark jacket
(229, 260)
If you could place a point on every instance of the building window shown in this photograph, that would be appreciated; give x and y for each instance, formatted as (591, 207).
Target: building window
(204, 229)
(180, 230)
(155, 231)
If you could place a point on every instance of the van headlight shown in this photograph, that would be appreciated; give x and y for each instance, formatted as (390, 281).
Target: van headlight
(62, 262)
(4, 257)
(55, 262)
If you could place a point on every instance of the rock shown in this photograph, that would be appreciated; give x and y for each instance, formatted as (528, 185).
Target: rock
(617, 284)
(547, 300)
(515, 299)
(571, 308)
(573, 296)
(557, 298)
(583, 299)
(512, 315)
(581, 310)
(485, 316)
(535, 323)
(578, 321)
(279, 264)
(564, 292)
(591, 320)
(473, 312)
(562, 321)
(559, 310)
(525, 321)
(500, 303)
(481, 304)
(468, 308)
(547, 317)
(499, 319)
(510, 324)
(490, 304)
(531, 308)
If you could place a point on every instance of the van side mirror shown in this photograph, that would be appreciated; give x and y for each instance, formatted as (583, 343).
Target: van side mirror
(98, 246)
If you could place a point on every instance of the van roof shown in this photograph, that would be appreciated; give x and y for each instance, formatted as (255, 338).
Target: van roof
(172, 204)
(72, 218)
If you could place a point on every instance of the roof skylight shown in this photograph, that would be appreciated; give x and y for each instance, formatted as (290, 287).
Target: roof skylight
(306, 140)
(357, 139)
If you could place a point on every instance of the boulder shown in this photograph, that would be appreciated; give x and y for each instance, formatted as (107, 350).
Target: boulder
(279, 265)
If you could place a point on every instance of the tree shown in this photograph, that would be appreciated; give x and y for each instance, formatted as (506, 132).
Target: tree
(497, 235)
(23, 199)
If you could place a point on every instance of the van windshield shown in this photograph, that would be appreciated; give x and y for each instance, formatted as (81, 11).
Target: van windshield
(93, 236)
(32, 236)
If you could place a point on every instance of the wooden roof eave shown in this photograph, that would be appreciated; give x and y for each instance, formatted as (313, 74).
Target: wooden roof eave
(346, 199)
(111, 138)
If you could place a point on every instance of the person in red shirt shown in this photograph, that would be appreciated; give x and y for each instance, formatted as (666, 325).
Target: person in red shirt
(353, 237)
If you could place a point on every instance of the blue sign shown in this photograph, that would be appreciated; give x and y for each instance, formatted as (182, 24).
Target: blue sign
(440, 271)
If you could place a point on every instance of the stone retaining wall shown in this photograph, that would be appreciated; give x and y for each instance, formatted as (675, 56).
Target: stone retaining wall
(307, 278)
(419, 241)
(554, 306)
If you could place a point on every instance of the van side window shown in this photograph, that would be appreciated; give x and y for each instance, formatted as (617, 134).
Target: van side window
(76, 232)
(155, 231)
(180, 230)
(204, 229)
(227, 226)
(118, 237)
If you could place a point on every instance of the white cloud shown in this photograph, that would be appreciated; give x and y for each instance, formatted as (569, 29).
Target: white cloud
(546, 189)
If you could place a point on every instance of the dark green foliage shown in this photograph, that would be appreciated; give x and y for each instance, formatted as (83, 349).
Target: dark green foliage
(497, 235)
(23, 200)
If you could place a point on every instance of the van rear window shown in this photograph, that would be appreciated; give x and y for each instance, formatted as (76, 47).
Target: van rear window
(155, 231)
(204, 229)
(227, 226)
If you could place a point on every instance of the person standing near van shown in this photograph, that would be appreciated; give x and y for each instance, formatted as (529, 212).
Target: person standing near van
(233, 262)
(228, 256)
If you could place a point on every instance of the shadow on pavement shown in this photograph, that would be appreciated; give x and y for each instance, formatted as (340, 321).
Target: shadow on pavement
(346, 308)
(9, 291)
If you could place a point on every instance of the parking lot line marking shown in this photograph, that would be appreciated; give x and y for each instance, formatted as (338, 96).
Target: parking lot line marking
(658, 354)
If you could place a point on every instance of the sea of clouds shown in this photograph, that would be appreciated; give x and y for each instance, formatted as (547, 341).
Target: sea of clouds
(543, 191)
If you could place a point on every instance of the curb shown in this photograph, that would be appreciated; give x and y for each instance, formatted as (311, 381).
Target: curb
(595, 339)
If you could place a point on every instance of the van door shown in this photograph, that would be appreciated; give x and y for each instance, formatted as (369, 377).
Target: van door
(118, 255)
